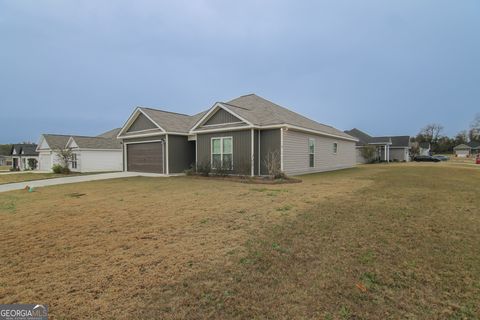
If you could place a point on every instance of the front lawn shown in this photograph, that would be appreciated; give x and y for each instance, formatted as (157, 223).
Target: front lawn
(29, 176)
(398, 241)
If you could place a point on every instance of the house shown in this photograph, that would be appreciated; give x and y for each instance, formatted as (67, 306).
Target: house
(90, 154)
(388, 148)
(235, 136)
(424, 149)
(467, 150)
(24, 156)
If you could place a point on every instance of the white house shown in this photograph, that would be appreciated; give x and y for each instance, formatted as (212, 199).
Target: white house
(24, 156)
(90, 154)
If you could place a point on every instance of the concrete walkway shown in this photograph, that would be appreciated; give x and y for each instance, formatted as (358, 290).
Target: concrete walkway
(75, 179)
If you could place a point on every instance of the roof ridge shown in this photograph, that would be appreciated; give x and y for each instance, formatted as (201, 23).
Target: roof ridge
(149, 108)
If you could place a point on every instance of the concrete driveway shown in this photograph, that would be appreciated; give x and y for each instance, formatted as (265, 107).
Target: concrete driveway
(75, 179)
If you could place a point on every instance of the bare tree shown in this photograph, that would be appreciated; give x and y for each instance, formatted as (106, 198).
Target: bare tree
(65, 156)
(430, 133)
(368, 152)
(474, 132)
(272, 163)
(461, 137)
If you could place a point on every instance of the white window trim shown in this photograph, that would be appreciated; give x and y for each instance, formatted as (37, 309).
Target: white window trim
(310, 153)
(221, 150)
(335, 149)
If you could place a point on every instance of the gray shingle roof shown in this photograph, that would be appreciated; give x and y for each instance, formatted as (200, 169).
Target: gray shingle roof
(364, 139)
(97, 143)
(28, 149)
(462, 147)
(171, 121)
(262, 112)
(110, 134)
(56, 141)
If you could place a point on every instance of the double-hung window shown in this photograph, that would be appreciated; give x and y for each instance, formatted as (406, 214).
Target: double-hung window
(335, 148)
(222, 153)
(74, 161)
(311, 153)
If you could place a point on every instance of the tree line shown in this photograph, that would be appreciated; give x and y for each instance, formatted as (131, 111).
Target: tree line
(439, 143)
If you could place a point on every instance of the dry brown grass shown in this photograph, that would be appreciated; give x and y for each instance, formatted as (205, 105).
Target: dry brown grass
(380, 241)
(27, 176)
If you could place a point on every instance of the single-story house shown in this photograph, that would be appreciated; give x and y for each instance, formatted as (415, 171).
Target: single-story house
(24, 156)
(467, 150)
(387, 148)
(90, 154)
(235, 136)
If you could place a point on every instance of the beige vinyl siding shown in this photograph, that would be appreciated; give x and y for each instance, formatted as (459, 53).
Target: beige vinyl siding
(296, 155)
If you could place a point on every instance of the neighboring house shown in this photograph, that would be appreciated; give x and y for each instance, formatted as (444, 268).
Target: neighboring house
(388, 148)
(101, 153)
(95, 154)
(424, 149)
(47, 146)
(236, 136)
(24, 156)
(466, 150)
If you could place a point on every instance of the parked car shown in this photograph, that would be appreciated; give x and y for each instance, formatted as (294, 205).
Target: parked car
(442, 158)
(426, 159)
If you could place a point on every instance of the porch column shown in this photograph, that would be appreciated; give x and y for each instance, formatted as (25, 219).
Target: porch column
(385, 150)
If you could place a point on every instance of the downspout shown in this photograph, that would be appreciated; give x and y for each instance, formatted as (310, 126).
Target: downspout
(281, 149)
(252, 160)
(166, 154)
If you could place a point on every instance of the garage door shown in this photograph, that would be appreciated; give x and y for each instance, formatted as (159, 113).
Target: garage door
(145, 157)
(44, 162)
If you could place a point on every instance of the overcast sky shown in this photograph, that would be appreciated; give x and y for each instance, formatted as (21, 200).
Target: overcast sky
(386, 67)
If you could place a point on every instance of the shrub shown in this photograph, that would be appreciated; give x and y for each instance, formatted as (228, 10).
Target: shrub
(57, 168)
(204, 168)
(368, 153)
(14, 169)
(222, 172)
(32, 163)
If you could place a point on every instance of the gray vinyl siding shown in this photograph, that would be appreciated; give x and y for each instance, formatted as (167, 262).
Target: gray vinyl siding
(242, 148)
(255, 151)
(269, 142)
(181, 153)
(296, 159)
(221, 116)
(141, 123)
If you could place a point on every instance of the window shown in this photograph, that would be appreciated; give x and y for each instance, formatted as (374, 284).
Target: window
(311, 152)
(222, 153)
(74, 161)
(335, 148)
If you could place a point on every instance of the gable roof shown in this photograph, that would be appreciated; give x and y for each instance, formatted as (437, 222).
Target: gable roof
(262, 112)
(462, 147)
(110, 134)
(170, 121)
(56, 141)
(393, 141)
(97, 143)
(254, 110)
(28, 149)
